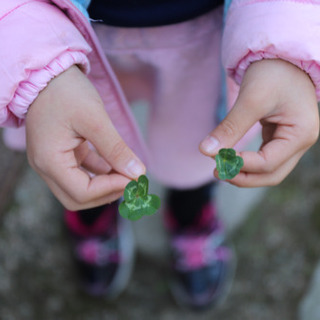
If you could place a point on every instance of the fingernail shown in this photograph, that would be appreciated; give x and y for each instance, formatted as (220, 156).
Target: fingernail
(209, 144)
(135, 169)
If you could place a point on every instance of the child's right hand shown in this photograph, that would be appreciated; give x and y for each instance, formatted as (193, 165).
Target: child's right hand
(59, 124)
(282, 97)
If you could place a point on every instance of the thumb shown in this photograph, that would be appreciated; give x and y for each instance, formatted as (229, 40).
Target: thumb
(103, 135)
(232, 128)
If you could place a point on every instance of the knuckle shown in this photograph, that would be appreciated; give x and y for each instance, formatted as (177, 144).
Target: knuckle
(310, 130)
(118, 149)
(71, 206)
(74, 204)
(274, 181)
(37, 162)
(314, 134)
(267, 165)
(80, 198)
(229, 128)
(269, 168)
(74, 199)
(67, 201)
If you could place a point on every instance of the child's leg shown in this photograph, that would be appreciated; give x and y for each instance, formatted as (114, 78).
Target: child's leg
(89, 216)
(202, 263)
(183, 207)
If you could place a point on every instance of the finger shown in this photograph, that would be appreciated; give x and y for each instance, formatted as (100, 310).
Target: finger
(75, 187)
(90, 160)
(271, 156)
(82, 188)
(73, 205)
(99, 130)
(94, 163)
(286, 141)
(238, 121)
(251, 180)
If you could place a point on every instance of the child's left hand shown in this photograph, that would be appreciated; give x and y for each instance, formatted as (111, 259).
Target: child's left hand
(282, 97)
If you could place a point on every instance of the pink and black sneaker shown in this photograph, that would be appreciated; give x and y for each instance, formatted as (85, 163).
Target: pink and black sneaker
(103, 251)
(202, 263)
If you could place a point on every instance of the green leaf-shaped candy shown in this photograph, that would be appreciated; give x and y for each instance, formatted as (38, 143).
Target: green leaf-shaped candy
(228, 163)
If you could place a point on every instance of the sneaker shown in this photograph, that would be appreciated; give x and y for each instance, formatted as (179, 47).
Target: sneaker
(103, 252)
(202, 264)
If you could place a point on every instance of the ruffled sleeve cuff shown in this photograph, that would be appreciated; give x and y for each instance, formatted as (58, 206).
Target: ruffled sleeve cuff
(262, 29)
(28, 90)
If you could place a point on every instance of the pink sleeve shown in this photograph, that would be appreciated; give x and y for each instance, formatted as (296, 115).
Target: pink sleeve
(268, 29)
(38, 42)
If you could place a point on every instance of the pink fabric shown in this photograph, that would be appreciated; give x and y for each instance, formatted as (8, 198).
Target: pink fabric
(254, 30)
(28, 91)
(288, 30)
(170, 68)
(47, 44)
(15, 138)
(50, 29)
(37, 80)
(106, 83)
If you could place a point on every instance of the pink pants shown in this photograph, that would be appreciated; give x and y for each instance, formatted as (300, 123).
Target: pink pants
(177, 69)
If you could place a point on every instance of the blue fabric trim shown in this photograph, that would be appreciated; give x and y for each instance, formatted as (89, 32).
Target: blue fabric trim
(222, 106)
(227, 4)
(82, 5)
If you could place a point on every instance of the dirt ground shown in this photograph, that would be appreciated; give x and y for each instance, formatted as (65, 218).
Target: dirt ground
(277, 250)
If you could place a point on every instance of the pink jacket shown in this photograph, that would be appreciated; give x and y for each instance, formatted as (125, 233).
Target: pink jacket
(42, 38)
(39, 40)
(266, 29)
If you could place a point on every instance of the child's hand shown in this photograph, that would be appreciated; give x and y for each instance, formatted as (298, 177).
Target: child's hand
(282, 97)
(59, 124)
